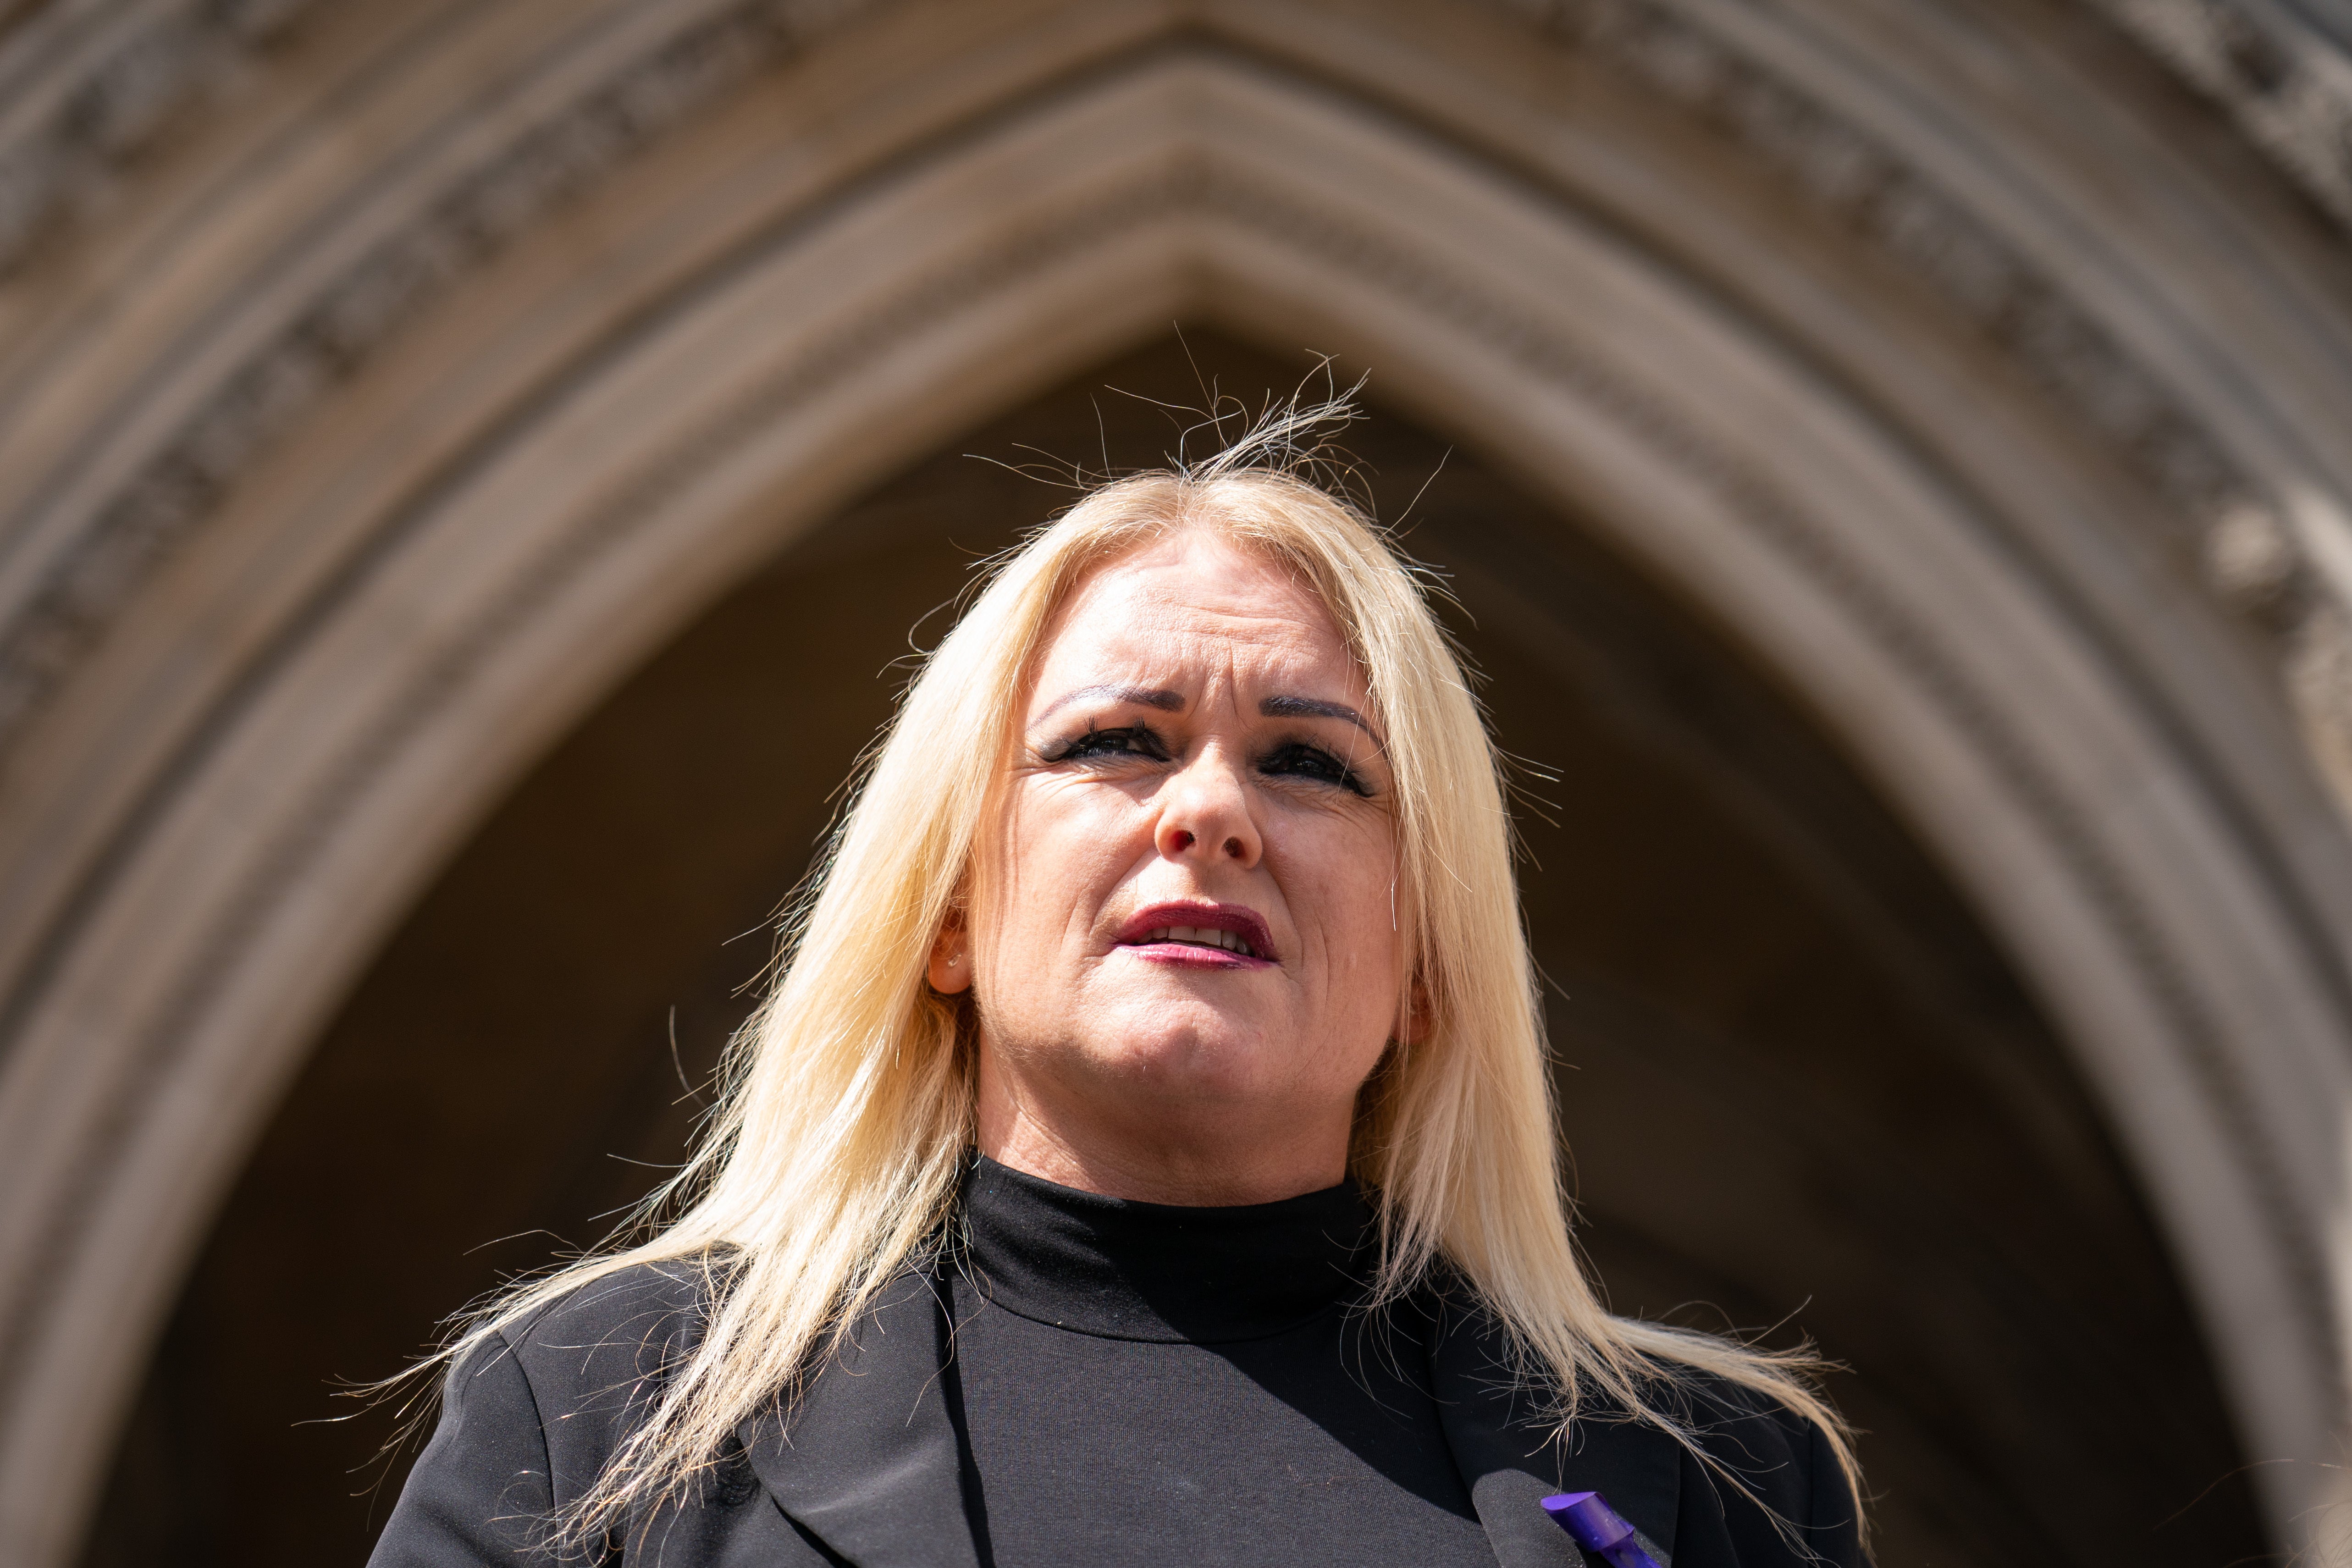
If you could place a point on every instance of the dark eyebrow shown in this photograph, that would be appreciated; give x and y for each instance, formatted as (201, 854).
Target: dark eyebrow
(1141, 696)
(1315, 707)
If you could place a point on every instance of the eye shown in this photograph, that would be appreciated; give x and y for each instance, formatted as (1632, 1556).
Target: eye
(1301, 759)
(1130, 740)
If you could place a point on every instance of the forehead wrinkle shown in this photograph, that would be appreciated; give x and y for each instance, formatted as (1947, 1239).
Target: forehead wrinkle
(1225, 638)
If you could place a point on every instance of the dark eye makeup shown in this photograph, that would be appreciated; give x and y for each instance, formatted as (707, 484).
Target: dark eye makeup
(1286, 759)
(1126, 741)
(1303, 758)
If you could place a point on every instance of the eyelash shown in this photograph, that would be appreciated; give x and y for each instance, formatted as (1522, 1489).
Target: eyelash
(1139, 740)
(1320, 764)
(1098, 742)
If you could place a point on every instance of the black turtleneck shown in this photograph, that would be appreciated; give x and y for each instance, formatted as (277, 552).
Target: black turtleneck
(1146, 1383)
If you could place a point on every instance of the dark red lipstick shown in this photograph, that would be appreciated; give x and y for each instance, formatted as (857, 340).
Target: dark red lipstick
(1200, 934)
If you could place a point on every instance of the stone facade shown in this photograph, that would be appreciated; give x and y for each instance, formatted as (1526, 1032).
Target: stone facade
(379, 384)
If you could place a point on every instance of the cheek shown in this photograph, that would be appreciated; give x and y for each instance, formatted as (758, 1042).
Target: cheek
(1059, 853)
(1345, 882)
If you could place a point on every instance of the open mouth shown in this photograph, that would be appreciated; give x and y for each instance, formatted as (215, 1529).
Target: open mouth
(1199, 933)
(1204, 936)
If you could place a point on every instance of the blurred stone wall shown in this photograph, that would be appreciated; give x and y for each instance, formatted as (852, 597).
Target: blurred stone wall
(383, 386)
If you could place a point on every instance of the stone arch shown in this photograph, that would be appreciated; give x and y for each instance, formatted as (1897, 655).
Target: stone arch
(311, 555)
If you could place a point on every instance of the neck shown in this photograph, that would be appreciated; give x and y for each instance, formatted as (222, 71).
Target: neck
(1155, 1160)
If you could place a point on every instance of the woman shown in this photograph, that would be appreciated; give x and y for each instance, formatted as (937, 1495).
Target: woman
(1147, 1154)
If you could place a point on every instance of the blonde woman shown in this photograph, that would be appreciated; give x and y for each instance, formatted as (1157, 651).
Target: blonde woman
(1147, 1153)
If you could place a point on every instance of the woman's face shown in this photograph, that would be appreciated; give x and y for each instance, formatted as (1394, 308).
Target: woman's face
(1181, 932)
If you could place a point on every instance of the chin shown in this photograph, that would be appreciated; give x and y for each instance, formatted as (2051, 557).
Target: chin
(1212, 1058)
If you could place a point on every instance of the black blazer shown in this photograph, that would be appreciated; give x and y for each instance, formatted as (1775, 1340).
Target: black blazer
(872, 1473)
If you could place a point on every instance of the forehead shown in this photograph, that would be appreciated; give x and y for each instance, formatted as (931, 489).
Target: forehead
(1194, 596)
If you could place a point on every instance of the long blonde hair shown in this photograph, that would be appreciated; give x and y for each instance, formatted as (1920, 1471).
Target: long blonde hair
(846, 1116)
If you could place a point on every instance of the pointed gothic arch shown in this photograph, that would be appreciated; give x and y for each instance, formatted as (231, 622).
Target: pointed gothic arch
(314, 551)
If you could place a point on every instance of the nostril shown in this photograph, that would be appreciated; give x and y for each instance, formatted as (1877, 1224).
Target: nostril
(1183, 840)
(1234, 848)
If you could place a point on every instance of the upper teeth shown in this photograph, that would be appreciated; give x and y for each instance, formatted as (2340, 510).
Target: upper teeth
(1204, 936)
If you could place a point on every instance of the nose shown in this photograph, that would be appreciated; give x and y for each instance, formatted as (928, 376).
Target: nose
(1204, 809)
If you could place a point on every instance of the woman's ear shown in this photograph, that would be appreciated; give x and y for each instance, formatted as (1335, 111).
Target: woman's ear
(951, 966)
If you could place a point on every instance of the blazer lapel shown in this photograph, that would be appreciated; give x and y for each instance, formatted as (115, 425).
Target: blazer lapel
(1510, 1459)
(868, 1460)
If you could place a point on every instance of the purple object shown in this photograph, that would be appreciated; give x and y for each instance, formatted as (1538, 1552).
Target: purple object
(1600, 1528)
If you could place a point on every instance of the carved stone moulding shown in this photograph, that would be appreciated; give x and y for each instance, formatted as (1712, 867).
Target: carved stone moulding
(2289, 84)
(86, 88)
(2078, 795)
(329, 337)
(2282, 70)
